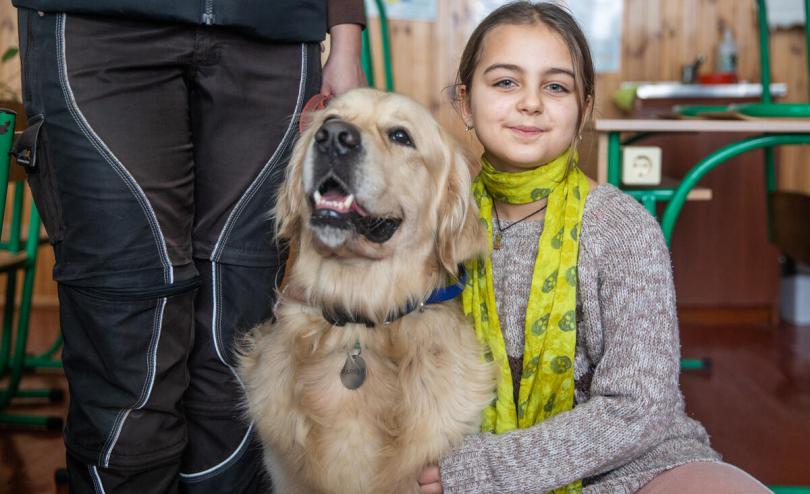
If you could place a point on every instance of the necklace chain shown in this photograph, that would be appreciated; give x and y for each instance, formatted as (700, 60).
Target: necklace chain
(499, 236)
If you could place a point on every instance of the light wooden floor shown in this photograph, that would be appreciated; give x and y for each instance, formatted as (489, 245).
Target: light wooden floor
(755, 401)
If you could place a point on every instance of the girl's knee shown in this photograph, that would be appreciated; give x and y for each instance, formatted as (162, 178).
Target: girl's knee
(704, 476)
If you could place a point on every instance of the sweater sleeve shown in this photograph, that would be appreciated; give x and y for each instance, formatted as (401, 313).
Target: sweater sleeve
(629, 322)
(345, 12)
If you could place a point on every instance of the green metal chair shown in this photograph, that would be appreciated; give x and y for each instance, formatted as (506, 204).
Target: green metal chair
(366, 55)
(18, 253)
(766, 108)
(676, 197)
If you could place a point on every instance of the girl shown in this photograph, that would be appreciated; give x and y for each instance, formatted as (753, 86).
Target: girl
(581, 322)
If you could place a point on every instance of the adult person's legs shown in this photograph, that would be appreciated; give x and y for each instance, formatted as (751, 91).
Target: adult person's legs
(121, 111)
(245, 98)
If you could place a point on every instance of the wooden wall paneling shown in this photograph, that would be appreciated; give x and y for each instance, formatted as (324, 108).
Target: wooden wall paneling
(9, 70)
(454, 24)
(633, 40)
(413, 47)
(670, 52)
(707, 35)
(746, 34)
(652, 63)
(788, 53)
(681, 27)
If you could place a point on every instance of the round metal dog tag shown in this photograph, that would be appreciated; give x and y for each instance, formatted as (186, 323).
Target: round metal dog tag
(353, 372)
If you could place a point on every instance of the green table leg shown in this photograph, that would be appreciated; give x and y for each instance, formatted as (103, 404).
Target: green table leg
(770, 188)
(614, 155)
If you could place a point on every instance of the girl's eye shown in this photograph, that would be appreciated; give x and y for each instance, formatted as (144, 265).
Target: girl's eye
(557, 88)
(505, 83)
(400, 136)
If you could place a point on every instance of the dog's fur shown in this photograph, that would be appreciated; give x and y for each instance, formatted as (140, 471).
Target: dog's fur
(427, 382)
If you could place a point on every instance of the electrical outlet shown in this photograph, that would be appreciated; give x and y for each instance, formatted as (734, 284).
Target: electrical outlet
(641, 165)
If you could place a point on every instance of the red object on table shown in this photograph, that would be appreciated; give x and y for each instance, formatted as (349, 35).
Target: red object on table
(718, 78)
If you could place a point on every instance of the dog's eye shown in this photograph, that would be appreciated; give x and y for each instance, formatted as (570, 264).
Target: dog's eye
(400, 136)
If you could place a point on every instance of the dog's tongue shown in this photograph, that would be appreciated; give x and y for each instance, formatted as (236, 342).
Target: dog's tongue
(338, 202)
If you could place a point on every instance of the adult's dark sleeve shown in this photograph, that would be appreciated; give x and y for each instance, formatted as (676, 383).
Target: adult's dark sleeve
(345, 12)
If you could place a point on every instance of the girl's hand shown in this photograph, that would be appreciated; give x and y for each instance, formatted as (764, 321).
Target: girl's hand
(343, 70)
(430, 480)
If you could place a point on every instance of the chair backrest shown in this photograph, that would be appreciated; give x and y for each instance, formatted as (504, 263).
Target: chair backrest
(7, 121)
(15, 236)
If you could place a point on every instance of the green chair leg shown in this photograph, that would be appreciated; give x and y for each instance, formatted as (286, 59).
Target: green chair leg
(788, 489)
(8, 326)
(770, 188)
(18, 352)
(48, 423)
(22, 257)
(46, 359)
(693, 364)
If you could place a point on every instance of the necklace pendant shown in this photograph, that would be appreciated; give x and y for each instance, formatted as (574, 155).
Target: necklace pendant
(497, 243)
(353, 373)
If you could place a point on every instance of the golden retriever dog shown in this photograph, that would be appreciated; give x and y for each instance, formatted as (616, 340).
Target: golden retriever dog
(358, 383)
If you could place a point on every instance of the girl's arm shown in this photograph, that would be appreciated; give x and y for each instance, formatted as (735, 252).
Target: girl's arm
(629, 330)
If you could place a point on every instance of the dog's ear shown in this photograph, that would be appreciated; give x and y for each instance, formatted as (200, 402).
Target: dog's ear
(291, 199)
(460, 233)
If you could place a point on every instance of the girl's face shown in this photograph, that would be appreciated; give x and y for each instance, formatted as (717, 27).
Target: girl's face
(523, 101)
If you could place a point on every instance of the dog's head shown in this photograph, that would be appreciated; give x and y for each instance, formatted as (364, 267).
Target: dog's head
(374, 179)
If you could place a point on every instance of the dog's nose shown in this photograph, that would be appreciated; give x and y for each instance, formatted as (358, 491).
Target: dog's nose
(337, 136)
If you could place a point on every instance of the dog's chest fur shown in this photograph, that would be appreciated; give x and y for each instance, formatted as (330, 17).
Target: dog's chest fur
(424, 390)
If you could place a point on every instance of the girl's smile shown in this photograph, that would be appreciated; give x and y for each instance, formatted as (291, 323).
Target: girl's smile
(526, 131)
(522, 101)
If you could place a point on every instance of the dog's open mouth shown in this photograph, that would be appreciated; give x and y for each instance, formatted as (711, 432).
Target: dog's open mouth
(334, 206)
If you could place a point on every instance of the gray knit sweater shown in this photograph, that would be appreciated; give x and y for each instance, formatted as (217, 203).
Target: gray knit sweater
(628, 422)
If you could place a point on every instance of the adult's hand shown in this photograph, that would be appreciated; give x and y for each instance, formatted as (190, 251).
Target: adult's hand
(430, 480)
(343, 69)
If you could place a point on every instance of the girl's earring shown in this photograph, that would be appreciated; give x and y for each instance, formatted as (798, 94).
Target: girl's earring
(468, 127)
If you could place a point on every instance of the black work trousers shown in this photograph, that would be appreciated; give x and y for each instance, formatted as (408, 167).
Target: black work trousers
(157, 151)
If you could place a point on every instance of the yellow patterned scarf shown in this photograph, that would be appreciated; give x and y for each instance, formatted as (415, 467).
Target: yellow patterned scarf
(547, 381)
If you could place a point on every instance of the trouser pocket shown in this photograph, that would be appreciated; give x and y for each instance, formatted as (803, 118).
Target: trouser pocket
(31, 152)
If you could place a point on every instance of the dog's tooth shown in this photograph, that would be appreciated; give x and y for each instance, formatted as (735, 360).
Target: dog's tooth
(317, 197)
(348, 202)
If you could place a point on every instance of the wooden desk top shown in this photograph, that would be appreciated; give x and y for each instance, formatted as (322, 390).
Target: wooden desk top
(759, 125)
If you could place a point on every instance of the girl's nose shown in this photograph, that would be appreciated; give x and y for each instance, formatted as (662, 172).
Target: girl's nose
(530, 102)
